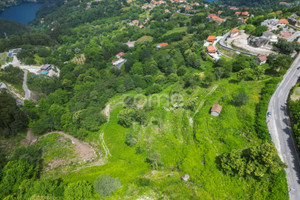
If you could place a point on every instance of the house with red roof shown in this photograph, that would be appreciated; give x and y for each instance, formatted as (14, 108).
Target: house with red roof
(211, 49)
(283, 21)
(213, 17)
(216, 110)
(120, 55)
(211, 38)
(234, 33)
(245, 13)
(162, 45)
(237, 13)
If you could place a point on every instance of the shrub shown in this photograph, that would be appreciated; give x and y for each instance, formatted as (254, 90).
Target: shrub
(241, 98)
(106, 185)
(130, 139)
(78, 190)
(155, 160)
(262, 107)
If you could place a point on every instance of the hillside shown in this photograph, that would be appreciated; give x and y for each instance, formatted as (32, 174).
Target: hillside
(148, 102)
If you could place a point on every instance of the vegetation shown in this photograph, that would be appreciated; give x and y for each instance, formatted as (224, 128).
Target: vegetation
(150, 117)
(256, 161)
(294, 107)
(106, 185)
(13, 118)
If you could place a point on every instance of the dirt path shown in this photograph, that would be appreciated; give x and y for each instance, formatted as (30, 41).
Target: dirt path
(106, 112)
(84, 151)
(30, 139)
(107, 152)
(202, 102)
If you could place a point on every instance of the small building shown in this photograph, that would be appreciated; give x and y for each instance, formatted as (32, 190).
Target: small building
(294, 20)
(46, 68)
(270, 36)
(233, 8)
(234, 33)
(285, 35)
(167, 11)
(245, 13)
(261, 59)
(258, 41)
(220, 12)
(162, 45)
(211, 49)
(216, 110)
(215, 18)
(211, 38)
(120, 55)
(13, 52)
(119, 63)
(283, 21)
(237, 13)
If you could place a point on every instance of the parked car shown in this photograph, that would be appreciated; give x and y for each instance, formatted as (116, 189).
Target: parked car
(298, 68)
(269, 114)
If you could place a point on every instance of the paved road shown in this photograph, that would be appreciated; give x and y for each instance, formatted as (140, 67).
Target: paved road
(223, 44)
(281, 131)
(294, 36)
(27, 92)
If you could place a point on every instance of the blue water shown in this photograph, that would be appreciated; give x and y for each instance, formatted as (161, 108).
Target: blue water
(44, 72)
(23, 13)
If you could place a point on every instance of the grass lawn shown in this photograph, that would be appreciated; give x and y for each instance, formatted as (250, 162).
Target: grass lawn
(187, 142)
(176, 30)
(145, 39)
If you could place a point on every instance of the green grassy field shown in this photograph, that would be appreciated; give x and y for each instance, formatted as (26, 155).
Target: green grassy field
(188, 142)
(145, 39)
(175, 30)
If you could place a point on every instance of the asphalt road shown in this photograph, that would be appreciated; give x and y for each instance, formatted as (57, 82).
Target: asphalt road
(281, 131)
(27, 92)
(294, 36)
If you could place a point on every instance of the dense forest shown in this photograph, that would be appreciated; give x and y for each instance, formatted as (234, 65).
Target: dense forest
(147, 121)
(11, 28)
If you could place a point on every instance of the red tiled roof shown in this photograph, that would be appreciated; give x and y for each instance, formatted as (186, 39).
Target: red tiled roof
(211, 38)
(216, 18)
(283, 21)
(235, 31)
(216, 108)
(164, 44)
(285, 35)
(211, 49)
(245, 13)
(220, 12)
(121, 54)
(237, 13)
(262, 58)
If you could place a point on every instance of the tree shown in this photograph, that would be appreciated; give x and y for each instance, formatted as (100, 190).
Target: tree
(246, 74)
(130, 139)
(256, 161)
(13, 174)
(105, 185)
(78, 190)
(155, 160)
(241, 98)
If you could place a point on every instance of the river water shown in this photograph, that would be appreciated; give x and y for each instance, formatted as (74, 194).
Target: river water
(23, 13)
